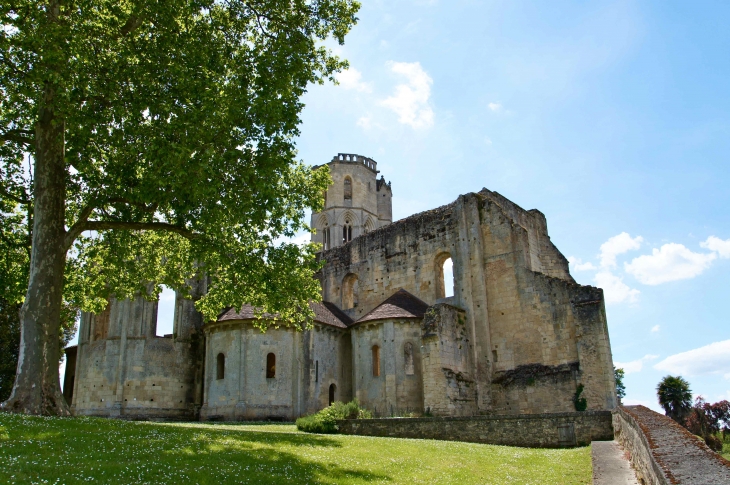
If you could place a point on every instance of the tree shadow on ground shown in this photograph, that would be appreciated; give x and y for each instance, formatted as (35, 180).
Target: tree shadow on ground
(114, 452)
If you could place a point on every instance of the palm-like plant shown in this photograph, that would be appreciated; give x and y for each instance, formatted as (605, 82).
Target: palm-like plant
(675, 397)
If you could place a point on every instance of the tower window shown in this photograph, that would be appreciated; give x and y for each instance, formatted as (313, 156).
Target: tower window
(326, 241)
(221, 367)
(347, 232)
(270, 366)
(348, 188)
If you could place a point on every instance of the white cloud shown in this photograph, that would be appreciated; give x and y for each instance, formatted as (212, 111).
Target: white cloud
(410, 101)
(655, 329)
(495, 107)
(616, 245)
(614, 289)
(710, 359)
(671, 262)
(635, 365)
(717, 245)
(352, 79)
(488, 141)
(578, 265)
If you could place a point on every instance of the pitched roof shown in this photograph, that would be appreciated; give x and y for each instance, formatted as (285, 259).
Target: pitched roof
(325, 313)
(401, 304)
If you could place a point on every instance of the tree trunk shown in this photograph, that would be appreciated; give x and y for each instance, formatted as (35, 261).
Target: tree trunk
(37, 387)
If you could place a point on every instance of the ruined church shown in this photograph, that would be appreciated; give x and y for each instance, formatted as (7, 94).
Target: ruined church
(518, 336)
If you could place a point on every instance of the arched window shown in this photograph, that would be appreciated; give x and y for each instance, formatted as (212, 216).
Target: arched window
(444, 276)
(408, 354)
(221, 367)
(348, 188)
(326, 241)
(350, 289)
(376, 361)
(347, 231)
(333, 388)
(270, 366)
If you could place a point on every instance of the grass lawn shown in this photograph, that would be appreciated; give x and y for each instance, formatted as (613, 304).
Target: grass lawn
(83, 450)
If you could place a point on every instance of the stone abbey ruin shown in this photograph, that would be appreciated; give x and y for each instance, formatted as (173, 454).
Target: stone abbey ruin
(518, 337)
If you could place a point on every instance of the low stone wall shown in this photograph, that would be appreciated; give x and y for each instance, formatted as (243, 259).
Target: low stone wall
(662, 452)
(529, 430)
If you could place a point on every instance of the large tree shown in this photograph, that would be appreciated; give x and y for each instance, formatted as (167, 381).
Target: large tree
(161, 135)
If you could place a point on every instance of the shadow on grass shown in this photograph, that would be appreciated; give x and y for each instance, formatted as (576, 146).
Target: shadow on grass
(109, 451)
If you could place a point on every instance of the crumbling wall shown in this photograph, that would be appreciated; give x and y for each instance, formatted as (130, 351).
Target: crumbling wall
(449, 387)
(124, 370)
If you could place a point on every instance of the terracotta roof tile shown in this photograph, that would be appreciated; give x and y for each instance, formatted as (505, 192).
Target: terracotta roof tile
(325, 313)
(401, 304)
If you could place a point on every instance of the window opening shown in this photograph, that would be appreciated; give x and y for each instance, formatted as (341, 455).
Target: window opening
(333, 388)
(376, 361)
(348, 188)
(408, 351)
(221, 367)
(347, 232)
(165, 312)
(350, 289)
(316, 371)
(326, 237)
(444, 276)
(270, 366)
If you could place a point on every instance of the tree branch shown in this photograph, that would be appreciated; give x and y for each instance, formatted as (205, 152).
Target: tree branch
(139, 205)
(129, 226)
(24, 137)
(133, 22)
(20, 200)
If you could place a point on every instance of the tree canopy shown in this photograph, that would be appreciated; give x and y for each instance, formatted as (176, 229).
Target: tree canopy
(675, 397)
(161, 141)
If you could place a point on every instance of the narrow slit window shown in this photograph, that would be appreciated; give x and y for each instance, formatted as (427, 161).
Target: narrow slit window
(376, 361)
(333, 389)
(220, 367)
(270, 366)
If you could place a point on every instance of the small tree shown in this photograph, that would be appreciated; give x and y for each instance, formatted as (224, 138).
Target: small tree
(675, 397)
(704, 421)
(618, 375)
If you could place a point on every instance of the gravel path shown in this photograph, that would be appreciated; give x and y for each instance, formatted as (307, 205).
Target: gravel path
(610, 465)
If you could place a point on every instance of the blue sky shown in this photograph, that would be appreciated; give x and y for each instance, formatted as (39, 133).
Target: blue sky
(612, 118)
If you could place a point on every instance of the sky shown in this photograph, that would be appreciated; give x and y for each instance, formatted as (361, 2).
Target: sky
(612, 118)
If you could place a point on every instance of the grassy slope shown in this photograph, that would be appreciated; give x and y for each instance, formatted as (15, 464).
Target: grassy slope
(75, 450)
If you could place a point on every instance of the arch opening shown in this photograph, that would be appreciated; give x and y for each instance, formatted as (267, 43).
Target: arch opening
(444, 276)
(333, 389)
(165, 317)
(350, 289)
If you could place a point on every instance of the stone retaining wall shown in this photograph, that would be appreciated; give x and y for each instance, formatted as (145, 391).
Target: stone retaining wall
(529, 430)
(662, 452)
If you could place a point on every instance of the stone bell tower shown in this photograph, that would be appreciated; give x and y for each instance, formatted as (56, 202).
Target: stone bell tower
(356, 202)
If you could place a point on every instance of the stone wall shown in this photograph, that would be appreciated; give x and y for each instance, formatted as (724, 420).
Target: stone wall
(532, 334)
(449, 388)
(662, 452)
(535, 430)
(124, 370)
(394, 391)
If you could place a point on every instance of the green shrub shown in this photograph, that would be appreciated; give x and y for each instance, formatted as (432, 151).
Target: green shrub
(325, 421)
(580, 403)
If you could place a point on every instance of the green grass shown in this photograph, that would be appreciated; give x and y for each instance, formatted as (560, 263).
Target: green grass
(93, 450)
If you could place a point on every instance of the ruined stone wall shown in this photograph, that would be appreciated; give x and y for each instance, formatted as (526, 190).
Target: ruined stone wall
(534, 430)
(394, 391)
(124, 370)
(521, 305)
(449, 388)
